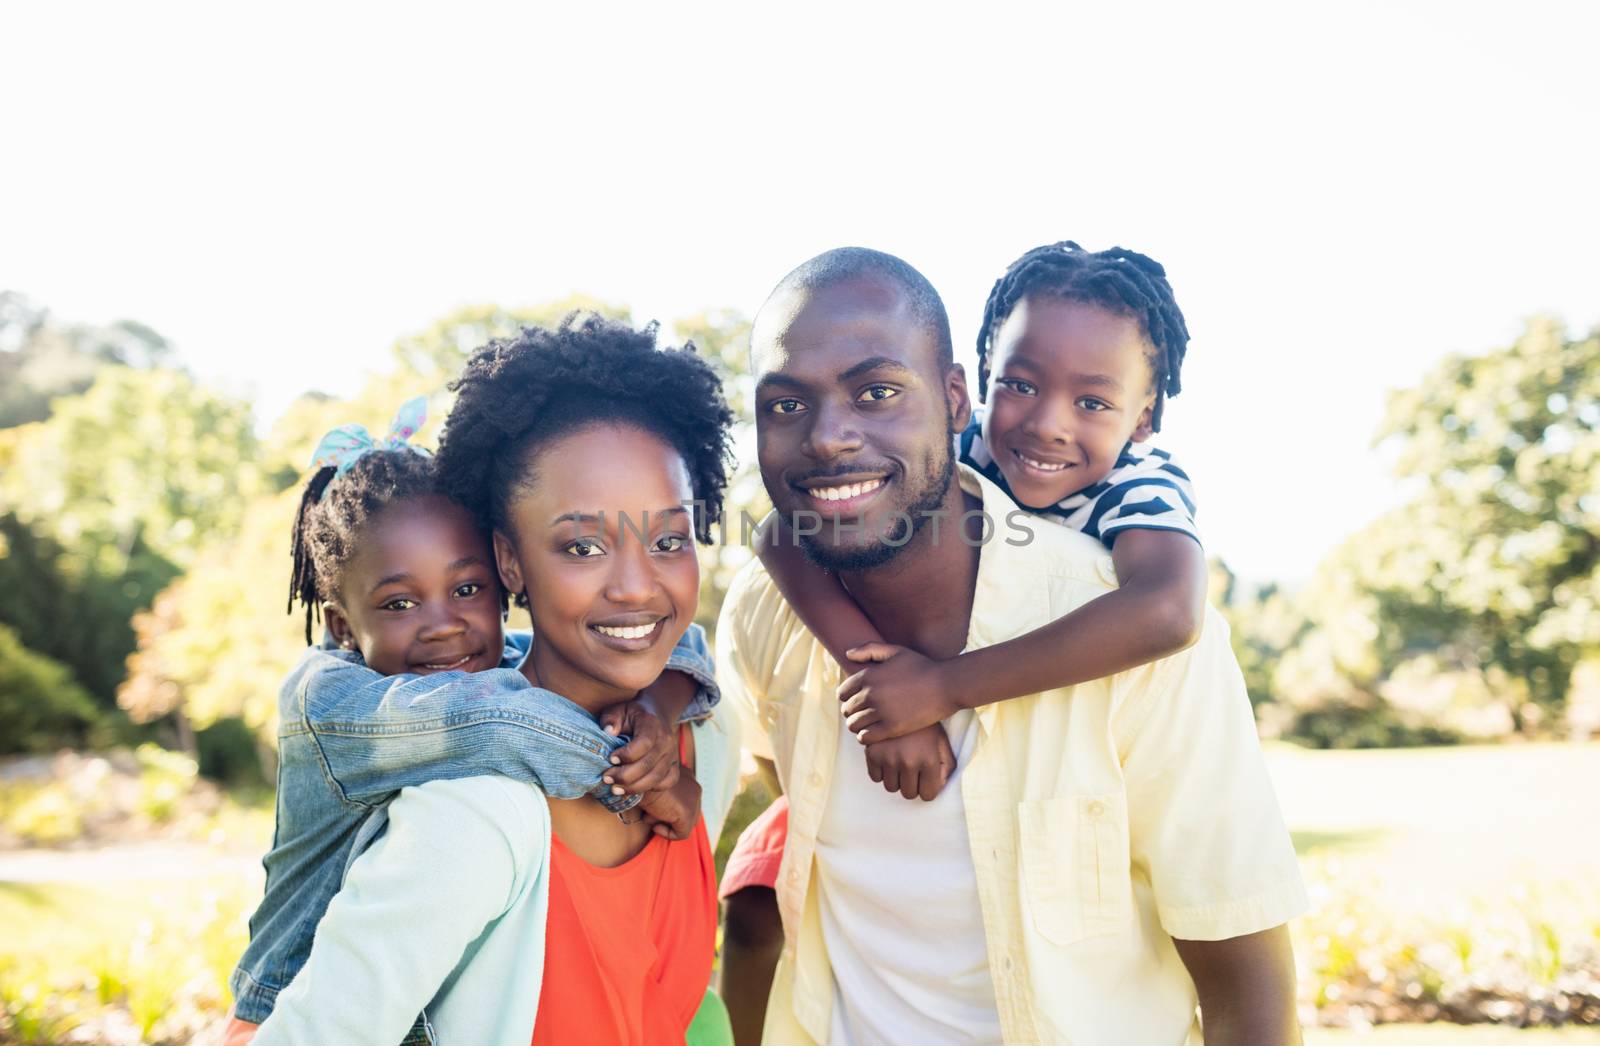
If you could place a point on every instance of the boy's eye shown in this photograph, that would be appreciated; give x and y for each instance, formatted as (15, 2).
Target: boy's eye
(786, 405)
(877, 393)
(671, 543)
(585, 548)
(470, 589)
(1092, 404)
(1020, 387)
(399, 604)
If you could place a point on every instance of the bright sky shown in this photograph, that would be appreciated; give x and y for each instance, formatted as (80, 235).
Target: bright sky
(1341, 197)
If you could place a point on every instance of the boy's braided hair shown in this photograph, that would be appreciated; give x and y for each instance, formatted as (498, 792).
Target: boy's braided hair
(519, 394)
(1121, 281)
(333, 512)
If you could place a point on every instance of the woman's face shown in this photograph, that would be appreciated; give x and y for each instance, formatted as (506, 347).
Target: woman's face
(602, 542)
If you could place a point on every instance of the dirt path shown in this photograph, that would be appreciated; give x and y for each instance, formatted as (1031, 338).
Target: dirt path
(150, 860)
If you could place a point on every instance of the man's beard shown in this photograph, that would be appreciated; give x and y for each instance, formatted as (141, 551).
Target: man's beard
(913, 518)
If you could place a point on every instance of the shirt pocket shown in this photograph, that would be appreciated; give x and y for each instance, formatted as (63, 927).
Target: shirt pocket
(1075, 865)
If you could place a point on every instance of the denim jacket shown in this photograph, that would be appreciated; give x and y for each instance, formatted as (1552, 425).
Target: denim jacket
(349, 739)
(473, 854)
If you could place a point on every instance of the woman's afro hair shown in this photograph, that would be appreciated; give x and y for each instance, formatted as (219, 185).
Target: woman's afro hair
(519, 394)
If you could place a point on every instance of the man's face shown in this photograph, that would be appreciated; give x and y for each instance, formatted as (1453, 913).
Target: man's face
(854, 416)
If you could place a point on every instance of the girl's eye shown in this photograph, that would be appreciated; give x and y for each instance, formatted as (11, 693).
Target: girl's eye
(1020, 387)
(585, 548)
(877, 393)
(786, 405)
(1093, 405)
(399, 604)
(672, 543)
(470, 589)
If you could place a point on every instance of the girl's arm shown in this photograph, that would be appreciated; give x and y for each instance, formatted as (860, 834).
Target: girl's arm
(815, 595)
(377, 734)
(1157, 611)
(459, 858)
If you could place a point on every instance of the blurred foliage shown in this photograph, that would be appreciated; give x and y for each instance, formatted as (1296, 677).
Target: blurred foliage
(1465, 612)
(41, 704)
(142, 456)
(1471, 611)
(79, 617)
(722, 338)
(42, 359)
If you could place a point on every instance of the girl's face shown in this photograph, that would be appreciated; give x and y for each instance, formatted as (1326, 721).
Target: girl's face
(420, 594)
(602, 542)
(1070, 385)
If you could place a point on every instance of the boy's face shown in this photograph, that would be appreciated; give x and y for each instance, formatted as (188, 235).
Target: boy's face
(1070, 385)
(602, 542)
(420, 594)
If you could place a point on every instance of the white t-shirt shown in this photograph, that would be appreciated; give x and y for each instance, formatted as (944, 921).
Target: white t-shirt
(899, 905)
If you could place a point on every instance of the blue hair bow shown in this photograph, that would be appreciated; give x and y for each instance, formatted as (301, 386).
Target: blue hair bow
(346, 444)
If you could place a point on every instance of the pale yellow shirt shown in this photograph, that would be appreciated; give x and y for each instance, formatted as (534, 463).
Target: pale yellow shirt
(1104, 819)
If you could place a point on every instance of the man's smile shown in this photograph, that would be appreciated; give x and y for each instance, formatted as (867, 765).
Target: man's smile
(838, 495)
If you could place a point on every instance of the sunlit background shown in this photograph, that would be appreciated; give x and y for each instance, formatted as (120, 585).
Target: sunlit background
(225, 232)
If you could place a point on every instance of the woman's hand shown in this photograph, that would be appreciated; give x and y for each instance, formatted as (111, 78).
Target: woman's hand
(649, 761)
(673, 811)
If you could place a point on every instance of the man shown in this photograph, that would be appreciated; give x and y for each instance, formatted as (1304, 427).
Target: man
(1103, 856)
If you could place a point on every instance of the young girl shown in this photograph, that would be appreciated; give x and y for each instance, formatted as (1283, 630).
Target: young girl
(597, 459)
(1077, 353)
(405, 578)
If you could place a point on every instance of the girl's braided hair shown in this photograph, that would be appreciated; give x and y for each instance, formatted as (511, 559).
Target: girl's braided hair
(1121, 281)
(332, 515)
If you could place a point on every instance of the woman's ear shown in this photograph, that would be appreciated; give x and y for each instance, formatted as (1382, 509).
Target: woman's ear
(505, 558)
(339, 625)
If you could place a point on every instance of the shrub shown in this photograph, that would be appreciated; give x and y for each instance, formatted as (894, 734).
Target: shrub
(42, 707)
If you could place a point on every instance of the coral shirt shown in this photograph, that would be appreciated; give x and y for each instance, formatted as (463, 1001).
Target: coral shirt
(628, 950)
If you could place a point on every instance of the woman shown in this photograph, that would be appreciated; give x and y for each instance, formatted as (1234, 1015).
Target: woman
(597, 459)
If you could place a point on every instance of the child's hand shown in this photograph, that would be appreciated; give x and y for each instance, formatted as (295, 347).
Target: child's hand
(648, 762)
(673, 811)
(916, 765)
(898, 692)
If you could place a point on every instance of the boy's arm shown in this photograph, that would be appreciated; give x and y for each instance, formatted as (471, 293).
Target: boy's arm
(815, 595)
(1157, 611)
(1246, 988)
(916, 767)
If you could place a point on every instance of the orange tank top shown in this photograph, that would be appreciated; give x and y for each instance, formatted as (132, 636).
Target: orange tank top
(628, 950)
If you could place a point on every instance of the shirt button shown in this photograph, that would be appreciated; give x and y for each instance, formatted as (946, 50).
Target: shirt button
(1096, 808)
(815, 780)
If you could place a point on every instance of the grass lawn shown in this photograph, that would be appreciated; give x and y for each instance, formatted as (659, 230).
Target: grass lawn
(1451, 1035)
(1493, 844)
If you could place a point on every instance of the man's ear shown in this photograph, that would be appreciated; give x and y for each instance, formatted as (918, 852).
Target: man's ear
(505, 558)
(339, 625)
(957, 403)
(1144, 429)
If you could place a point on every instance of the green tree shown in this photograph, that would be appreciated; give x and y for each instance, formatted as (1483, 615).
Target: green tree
(1498, 571)
(1466, 610)
(142, 456)
(41, 706)
(42, 359)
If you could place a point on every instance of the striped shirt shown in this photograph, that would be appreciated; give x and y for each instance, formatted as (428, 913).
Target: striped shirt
(1145, 490)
